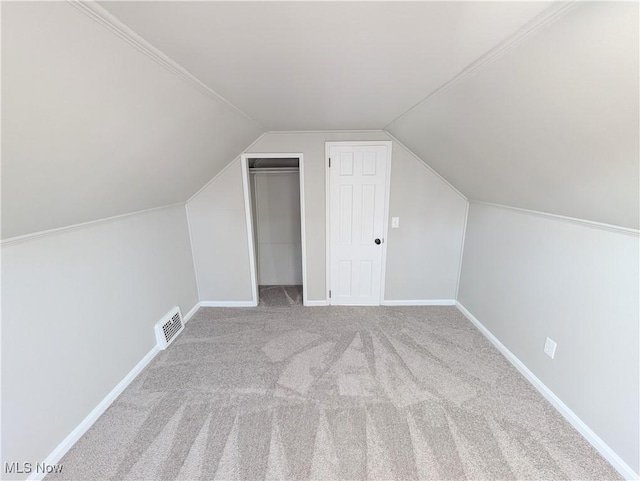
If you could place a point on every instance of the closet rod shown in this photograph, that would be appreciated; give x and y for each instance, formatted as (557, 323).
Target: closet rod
(273, 170)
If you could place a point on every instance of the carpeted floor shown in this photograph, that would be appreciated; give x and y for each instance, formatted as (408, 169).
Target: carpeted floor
(331, 393)
(280, 296)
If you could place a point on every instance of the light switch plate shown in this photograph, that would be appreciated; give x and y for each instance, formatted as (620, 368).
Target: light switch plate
(395, 222)
(550, 348)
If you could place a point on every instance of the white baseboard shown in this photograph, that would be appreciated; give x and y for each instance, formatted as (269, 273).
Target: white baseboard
(190, 314)
(431, 302)
(93, 416)
(623, 468)
(421, 302)
(228, 304)
(322, 302)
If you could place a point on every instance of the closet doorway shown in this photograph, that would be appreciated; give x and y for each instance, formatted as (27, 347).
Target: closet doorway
(274, 208)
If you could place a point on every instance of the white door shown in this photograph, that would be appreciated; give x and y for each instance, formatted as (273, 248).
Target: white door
(358, 184)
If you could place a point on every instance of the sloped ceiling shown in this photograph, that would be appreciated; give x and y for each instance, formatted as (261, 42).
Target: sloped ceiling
(92, 128)
(324, 65)
(552, 125)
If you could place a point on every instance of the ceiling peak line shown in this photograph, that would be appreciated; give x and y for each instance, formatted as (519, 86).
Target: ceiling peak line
(548, 16)
(109, 21)
(331, 131)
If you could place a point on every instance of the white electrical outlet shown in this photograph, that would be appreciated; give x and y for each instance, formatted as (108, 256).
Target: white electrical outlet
(395, 222)
(550, 348)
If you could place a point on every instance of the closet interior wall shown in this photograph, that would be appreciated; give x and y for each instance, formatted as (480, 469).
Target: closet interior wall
(275, 198)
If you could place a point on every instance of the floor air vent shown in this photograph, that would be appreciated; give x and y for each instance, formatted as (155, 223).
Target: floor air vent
(169, 328)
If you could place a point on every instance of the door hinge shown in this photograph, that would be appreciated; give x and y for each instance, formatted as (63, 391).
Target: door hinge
(329, 294)
(329, 162)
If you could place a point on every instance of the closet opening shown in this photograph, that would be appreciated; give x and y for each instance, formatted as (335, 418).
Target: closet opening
(274, 207)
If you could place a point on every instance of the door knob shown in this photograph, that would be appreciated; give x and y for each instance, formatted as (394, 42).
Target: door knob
(377, 241)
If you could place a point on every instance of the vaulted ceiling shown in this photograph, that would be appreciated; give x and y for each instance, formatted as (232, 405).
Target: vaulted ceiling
(324, 65)
(550, 125)
(93, 128)
(527, 104)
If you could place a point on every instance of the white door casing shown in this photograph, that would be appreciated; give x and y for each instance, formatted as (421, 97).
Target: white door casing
(358, 180)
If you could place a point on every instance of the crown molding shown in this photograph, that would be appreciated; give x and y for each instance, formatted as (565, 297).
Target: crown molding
(563, 218)
(103, 17)
(542, 20)
(11, 241)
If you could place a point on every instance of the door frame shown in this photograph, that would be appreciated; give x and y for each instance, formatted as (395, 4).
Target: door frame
(251, 244)
(327, 175)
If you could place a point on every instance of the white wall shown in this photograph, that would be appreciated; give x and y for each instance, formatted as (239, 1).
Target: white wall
(219, 238)
(276, 213)
(423, 254)
(78, 309)
(526, 277)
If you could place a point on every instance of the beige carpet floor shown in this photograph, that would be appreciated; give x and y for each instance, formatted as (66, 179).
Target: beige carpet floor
(279, 393)
(279, 296)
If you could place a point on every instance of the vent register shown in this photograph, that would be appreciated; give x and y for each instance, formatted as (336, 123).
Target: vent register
(169, 327)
